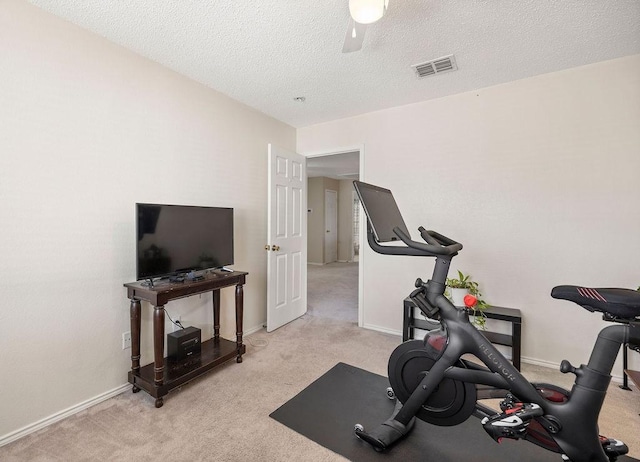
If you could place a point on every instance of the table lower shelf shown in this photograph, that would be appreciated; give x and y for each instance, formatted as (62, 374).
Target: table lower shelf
(634, 376)
(214, 352)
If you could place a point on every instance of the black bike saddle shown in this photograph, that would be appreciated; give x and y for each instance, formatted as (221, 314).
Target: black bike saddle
(619, 303)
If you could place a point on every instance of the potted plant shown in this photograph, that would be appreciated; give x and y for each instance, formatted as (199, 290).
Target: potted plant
(457, 291)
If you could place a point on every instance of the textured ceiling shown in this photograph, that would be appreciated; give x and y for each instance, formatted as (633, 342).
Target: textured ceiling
(266, 52)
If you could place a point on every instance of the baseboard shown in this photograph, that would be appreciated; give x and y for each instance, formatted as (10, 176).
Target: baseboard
(556, 366)
(58, 416)
(384, 330)
(34, 427)
(540, 362)
(337, 261)
(253, 329)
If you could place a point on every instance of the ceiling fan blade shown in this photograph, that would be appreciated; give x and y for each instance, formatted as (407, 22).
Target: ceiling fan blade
(355, 36)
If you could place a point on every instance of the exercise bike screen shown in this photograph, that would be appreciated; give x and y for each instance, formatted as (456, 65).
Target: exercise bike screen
(381, 210)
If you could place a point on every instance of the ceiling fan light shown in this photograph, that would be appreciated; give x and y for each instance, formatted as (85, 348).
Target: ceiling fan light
(367, 11)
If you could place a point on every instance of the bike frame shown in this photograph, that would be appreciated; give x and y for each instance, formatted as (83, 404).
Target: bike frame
(578, 435)
(573, 423)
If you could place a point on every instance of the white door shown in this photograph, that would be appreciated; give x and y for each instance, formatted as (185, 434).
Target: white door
(331, 226)
(286, 238)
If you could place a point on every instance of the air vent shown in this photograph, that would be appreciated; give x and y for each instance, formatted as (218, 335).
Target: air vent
(436, 66)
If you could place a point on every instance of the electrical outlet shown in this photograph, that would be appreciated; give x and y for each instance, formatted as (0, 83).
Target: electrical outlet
(126, 340)
(177, 319)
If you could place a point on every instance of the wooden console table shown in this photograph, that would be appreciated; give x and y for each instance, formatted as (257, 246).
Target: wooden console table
(161, 376)
(510, 315)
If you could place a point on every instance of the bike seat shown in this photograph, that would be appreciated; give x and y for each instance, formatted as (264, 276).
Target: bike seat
(619, 303)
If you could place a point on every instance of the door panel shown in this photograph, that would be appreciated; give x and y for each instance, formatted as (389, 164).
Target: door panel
(296, 283)
(281, 266)
(298, 207)
(286, 235)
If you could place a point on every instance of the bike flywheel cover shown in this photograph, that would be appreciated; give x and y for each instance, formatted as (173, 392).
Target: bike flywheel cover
(451, 403)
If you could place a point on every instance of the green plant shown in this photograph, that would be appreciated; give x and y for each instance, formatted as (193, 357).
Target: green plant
(464, 281)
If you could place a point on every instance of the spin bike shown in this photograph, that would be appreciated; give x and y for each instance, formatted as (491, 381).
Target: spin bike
(433, 383)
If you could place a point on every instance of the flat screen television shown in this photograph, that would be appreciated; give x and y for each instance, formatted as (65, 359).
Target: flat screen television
(179, 239)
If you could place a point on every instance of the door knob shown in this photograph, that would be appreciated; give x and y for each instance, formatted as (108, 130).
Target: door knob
(275, 247)
(267, 247)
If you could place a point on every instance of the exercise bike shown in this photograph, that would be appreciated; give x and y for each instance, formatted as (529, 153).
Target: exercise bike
(433, 383)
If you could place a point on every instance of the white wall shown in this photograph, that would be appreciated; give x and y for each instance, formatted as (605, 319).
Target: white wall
(86, 130)
(537, 178)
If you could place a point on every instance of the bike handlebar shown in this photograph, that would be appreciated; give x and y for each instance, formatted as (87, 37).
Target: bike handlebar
(436, 244)
(428, 237)
(439, 239)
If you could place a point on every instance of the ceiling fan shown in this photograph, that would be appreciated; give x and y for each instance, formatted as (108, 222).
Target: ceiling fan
(362, 12)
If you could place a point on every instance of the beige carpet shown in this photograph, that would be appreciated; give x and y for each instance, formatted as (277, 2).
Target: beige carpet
(224, 415)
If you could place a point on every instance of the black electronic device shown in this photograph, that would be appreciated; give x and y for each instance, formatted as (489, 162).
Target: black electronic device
(184, 343)
(181, 239)
(381, 210)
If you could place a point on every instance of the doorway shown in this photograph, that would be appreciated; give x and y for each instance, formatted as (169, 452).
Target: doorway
(333, 260)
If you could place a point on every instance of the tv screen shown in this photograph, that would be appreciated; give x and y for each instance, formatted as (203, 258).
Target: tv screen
(176, 239)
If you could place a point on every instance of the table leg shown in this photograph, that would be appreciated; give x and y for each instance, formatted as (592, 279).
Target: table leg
(516, 334)
(625, 366)
(216, 315)
(239, 317)
(135, 339)
(407, 321)
(158, 344)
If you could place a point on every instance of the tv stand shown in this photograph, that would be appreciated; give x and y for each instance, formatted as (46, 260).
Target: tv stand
(162, 375)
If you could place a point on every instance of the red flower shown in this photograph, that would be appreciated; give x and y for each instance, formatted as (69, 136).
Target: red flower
(470, 301)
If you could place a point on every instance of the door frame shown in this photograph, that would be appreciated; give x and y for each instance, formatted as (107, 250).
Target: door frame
(361, 238)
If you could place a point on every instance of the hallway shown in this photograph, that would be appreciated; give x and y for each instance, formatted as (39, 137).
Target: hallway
(332, 291)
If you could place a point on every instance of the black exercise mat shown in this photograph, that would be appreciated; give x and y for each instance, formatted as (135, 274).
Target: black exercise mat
(327, 410)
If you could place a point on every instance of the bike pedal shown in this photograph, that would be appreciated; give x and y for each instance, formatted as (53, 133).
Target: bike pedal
(526, 411)
(512, 423)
